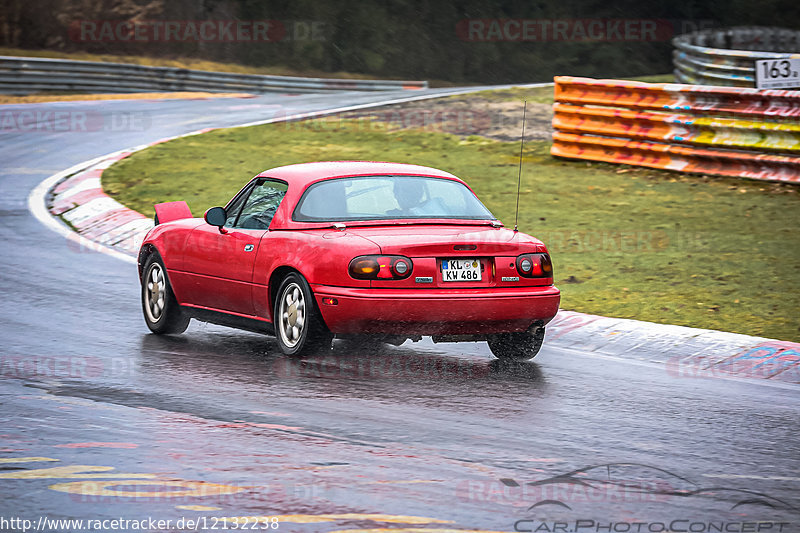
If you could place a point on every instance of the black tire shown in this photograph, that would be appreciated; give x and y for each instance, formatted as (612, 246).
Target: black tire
(517, 346)
(162, 313)
(299, 328)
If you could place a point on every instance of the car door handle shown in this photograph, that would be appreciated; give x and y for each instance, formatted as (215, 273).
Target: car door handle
(248, 247)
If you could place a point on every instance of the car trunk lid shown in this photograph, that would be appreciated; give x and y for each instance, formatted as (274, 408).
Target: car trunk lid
(435, 241)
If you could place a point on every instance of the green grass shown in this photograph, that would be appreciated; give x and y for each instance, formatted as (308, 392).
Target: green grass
(539, 95)
(544, 95)
(633, 243)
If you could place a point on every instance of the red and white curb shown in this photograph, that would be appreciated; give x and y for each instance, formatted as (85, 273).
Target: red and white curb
(81, 202)
(100, 223)
(104, 224)
(685, 352)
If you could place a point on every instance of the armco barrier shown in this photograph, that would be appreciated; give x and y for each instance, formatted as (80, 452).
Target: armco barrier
(728, 56)
(22, 75)
(711, 130)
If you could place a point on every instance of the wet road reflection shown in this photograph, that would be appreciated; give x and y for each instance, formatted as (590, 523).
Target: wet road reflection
(437, 427)
(417, 371)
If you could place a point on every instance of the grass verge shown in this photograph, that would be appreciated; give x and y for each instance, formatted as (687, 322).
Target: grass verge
(626, 242)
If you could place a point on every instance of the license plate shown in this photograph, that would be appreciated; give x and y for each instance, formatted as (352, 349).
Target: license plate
(461, 270)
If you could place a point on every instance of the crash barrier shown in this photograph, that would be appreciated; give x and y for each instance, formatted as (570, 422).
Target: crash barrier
(711, 130)
(728, 56)
(23, 75)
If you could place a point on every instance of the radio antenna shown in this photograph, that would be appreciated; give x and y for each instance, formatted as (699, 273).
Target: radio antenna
(519, 176)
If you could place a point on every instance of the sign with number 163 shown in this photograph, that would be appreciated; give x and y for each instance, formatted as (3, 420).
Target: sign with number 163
(778, 73)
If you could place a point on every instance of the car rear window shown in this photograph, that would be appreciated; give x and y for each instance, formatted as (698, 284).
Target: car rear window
(389, 197)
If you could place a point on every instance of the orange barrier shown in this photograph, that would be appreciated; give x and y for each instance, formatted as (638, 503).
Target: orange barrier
(720, 130)
(695, 99)
(706, 131)
(680, 158)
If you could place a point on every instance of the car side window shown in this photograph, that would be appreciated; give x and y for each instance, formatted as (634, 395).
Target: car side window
(236, 207)
(261, 204)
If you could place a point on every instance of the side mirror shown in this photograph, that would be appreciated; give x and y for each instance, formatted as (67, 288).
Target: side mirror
(216, 216)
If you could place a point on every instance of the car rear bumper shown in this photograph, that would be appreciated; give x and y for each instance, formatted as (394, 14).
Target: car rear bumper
(435, 311)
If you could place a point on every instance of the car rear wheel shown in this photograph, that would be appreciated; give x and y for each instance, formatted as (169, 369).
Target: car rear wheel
(162, 313)
(517, 346)
(298, 326)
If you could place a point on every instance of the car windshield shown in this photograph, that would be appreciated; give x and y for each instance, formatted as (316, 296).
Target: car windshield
(389, 197)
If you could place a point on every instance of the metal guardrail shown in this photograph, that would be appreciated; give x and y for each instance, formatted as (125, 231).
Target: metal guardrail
(23, 75)
(728, 56)
(716, 130)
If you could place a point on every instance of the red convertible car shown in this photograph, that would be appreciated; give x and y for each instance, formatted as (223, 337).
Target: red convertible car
(378, 251)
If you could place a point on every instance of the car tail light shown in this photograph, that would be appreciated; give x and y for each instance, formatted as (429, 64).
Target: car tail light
(381, 267)
(401, 267)
(535, 266)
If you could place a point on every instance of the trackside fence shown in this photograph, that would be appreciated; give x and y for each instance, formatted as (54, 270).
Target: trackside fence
(728, 56)
(723, 131)
(23, 75)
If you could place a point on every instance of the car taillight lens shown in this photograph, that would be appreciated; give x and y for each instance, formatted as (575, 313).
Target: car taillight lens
(535, 266)
(401, 267)
(381, 267)
(364, 267)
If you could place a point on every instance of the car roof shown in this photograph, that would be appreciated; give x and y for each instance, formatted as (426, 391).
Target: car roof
(305, 173)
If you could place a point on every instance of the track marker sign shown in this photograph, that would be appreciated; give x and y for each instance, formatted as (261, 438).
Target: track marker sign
(781, 73)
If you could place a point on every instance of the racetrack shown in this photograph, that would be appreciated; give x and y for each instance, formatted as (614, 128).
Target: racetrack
(417, 431)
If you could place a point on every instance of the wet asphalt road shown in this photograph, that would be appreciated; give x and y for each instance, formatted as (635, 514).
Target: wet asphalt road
(102, 420)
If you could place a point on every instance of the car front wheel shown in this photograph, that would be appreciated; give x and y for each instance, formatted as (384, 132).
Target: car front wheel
(162, 313)
(298, 326)
(517, 346)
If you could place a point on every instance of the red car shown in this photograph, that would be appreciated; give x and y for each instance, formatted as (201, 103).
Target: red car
(378, 251)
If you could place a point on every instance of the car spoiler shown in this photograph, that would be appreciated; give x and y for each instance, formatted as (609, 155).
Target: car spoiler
(169, 211)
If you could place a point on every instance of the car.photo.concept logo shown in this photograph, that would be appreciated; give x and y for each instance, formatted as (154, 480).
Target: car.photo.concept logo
(581, 501)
